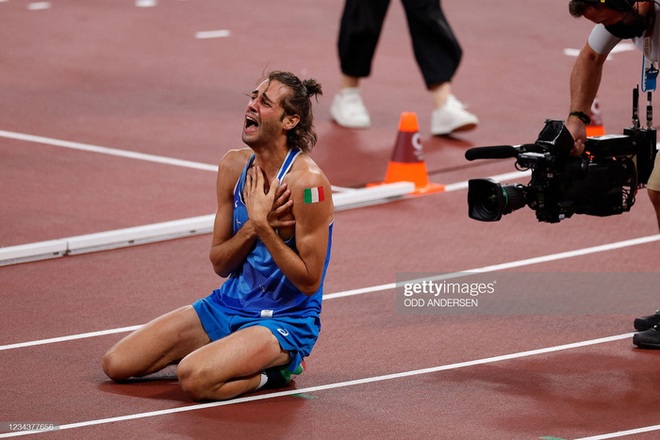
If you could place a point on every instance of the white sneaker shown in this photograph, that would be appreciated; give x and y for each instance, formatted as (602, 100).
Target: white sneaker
(452, 117)
(348, 110)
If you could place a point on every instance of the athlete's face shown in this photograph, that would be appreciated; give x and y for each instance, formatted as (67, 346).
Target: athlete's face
(264, 118)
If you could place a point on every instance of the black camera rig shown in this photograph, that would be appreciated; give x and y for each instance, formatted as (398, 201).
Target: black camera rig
(601, 182)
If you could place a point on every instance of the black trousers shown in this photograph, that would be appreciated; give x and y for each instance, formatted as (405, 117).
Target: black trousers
(436, 48)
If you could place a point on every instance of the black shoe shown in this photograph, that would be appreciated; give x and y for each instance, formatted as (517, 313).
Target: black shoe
(648, 339)
(647, 322)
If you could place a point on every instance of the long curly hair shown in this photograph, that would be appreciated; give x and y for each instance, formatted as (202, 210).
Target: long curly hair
(299, 102)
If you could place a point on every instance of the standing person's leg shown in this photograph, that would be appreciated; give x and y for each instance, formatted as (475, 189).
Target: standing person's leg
(437, 50)
(649, 326)
(359, 32)
(653, 188)
(360, 28)
(438, 54)
(162, 342)
(654, 196)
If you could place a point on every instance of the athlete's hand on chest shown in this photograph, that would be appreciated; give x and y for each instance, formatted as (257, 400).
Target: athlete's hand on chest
(260, 196)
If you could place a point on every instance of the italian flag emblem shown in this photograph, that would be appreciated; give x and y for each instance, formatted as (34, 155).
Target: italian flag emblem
(314, 195)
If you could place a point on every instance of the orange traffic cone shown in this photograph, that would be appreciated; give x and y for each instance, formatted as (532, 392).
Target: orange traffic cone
(407, 163)
(595, 127)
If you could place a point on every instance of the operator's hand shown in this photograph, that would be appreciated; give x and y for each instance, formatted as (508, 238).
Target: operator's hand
(578, 130)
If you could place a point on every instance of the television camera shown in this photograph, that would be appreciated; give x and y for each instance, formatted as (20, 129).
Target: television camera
(601, 182)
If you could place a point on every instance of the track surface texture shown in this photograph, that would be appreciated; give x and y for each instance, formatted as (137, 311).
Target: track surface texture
(549, 354)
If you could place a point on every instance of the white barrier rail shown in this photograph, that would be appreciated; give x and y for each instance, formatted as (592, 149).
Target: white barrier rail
(173, 229)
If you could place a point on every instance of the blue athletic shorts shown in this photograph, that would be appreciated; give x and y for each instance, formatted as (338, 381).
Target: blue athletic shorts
(295, 335)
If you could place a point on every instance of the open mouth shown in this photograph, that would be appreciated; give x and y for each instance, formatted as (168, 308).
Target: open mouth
(251, 123)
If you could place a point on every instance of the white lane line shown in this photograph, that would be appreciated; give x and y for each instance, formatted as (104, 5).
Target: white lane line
(146, 3)
(70, 337)
(186, 163)
(389, 286)
(622, 433)
(106, 150)
(345, 198)
(38, 6)
(509, 265)
(349, 383)
(220, 33)
(121, 153)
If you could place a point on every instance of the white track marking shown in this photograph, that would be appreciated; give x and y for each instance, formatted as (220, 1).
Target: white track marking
(146, 3)
(70, 337)
(38, 6)
(122, 153)
(622, 433)
(389, 286)
(220, 33)
(511, 264)
(349, 383)
(345, 198)
(108, 151)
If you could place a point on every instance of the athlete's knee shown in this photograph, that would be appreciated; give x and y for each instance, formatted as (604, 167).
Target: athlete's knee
(203, 385)
(192, 380)
(115, 366)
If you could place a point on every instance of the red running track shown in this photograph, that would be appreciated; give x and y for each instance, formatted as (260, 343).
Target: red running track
(530, 364)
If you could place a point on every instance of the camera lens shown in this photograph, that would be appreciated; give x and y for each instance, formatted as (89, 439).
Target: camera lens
(488, 201)
(485, 200)
(514, 198)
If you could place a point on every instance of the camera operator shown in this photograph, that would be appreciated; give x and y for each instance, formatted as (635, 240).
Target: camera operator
(615, 20)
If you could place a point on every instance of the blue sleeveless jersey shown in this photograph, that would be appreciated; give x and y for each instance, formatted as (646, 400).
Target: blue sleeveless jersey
(258, 288)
